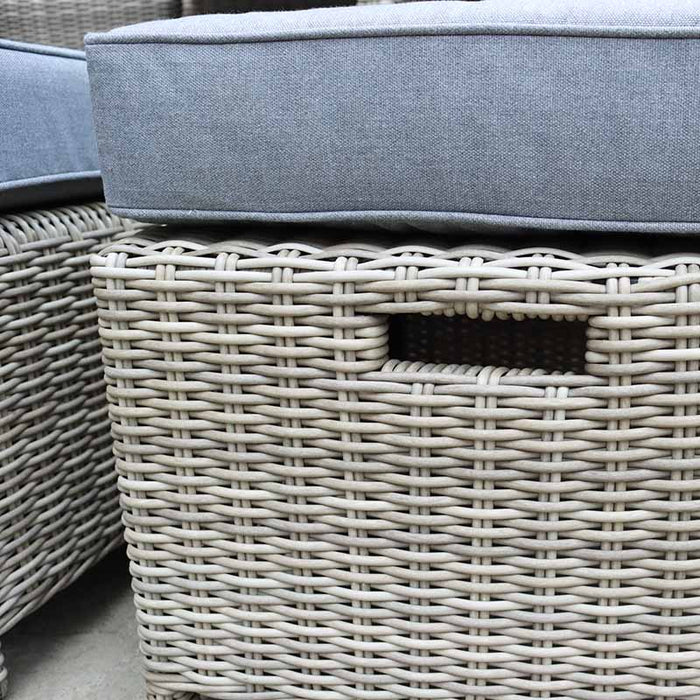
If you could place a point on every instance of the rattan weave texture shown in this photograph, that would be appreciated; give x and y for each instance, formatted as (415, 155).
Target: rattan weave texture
(310, 518)
(58, 500)
(65, 22)
(202, 7)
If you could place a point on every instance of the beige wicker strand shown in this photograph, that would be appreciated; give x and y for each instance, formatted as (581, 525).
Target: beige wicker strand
(312, 518)
(58, 500)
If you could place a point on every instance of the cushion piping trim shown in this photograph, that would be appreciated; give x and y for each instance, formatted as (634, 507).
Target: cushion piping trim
(418, 215)
(651, 32)
(49, 177)
(41, 50)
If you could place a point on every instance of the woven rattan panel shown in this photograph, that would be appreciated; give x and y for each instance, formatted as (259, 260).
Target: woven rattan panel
(197, 7)
(58, 499)
(65, 22)
(310, 518)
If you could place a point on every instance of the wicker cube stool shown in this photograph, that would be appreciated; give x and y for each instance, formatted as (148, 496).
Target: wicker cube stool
(320, 505)
(58, 499)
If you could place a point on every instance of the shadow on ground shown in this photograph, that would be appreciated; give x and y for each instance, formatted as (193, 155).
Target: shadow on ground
(82, 645)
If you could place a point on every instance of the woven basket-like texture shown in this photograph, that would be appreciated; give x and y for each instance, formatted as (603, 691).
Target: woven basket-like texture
(197, 7)
(203, 7)
(65, 22)
(58, 501)
(310, 517)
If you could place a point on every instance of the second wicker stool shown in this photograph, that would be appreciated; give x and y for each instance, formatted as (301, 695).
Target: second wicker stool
(59, 510)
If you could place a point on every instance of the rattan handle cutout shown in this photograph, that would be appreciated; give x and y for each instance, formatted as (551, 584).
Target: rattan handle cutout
(546, 344)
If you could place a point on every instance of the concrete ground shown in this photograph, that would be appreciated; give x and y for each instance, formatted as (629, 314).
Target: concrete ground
(82, 645)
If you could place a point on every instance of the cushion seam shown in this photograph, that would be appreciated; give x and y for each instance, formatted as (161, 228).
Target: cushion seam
(400, 211)
(564, 31)
(49, 51)
(39, 179)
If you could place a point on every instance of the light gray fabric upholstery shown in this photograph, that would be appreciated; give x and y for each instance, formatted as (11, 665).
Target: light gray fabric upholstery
(47, 145)
(577, 114)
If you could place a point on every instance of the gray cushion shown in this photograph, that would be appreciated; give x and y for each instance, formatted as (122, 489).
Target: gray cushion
(47, 145)
(574, 114)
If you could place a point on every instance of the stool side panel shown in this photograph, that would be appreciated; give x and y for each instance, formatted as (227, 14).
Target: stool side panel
(59, 512)
(308, 517)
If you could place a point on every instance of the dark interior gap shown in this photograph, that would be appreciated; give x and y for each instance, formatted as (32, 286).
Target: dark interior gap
(553, 346)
